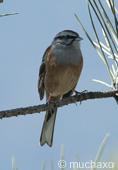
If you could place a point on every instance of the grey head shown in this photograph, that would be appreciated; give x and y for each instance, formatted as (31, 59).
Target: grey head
(67, 37)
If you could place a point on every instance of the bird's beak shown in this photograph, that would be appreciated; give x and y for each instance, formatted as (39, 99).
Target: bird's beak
(80, 38)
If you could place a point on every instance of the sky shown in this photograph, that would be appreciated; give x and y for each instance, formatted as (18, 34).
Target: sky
(80, 128)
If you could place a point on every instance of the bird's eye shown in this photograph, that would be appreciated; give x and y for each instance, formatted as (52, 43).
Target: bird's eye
(65, 37)
(61, 37)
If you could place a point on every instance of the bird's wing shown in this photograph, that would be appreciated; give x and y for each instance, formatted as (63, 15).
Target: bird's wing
(42, 71)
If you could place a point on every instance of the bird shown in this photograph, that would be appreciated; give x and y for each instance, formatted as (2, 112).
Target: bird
(59, 73)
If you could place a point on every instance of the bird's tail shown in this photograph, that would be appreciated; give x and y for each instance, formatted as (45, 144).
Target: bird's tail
(48, 127)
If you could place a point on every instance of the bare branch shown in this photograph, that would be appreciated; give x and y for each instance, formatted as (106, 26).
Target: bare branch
(5, 15)
(69, 100)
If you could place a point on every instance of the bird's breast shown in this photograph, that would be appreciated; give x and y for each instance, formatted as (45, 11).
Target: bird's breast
(62, 71)
(67, 56)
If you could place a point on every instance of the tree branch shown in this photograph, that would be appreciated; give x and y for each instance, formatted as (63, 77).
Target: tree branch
(69, 100)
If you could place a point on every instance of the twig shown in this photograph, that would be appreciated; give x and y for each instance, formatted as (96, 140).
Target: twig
(69, 100)
(5, 15)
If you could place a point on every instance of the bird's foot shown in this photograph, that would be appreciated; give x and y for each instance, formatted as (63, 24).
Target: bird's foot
(80, 93)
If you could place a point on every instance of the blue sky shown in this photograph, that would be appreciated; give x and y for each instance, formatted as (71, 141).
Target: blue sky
(80, 128)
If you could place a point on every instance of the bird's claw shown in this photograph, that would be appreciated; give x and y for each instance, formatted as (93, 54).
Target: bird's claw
(80, 93)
